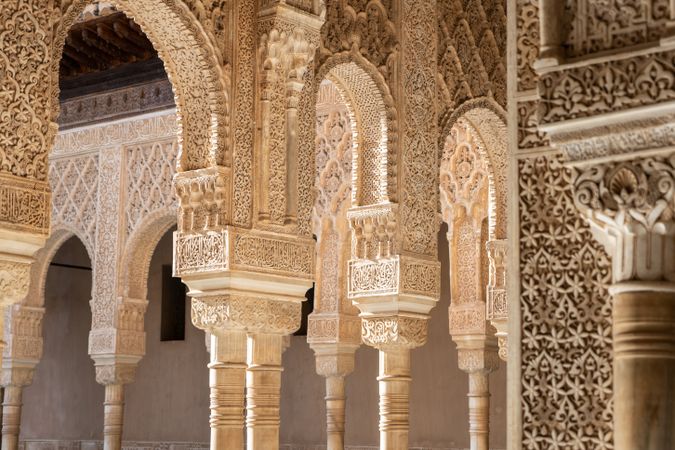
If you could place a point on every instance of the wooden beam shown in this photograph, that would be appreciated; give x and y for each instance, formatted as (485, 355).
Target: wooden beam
(124, 45)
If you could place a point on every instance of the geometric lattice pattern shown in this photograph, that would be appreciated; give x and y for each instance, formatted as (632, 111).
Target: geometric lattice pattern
(566, 340)
(74, 184)
(150, 169)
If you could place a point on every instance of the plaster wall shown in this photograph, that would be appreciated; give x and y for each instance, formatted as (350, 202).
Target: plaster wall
(65, 402)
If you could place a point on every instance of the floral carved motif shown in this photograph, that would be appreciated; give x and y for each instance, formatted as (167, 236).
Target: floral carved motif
(566, 375)
(246, 313)
(395, 331)
(527, 43)
(607, 87)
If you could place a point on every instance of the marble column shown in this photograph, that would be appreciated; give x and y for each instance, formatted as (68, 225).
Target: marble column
(14, 380)
(630, 205)
(113, 376)
(227, 379)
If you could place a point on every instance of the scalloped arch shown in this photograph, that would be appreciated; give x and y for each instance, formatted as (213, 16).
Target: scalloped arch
(488, 121)
(374, 126)
(191, 62)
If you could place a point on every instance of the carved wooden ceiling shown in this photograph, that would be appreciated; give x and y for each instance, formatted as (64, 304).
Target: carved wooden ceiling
(103, 43)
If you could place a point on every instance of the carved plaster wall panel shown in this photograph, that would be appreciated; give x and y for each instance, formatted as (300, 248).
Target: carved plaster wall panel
(566, 375)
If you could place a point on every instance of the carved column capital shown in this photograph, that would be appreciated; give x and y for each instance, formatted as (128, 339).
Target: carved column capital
(23, 334)
(16, 374)
(394, 332)
(630, 206)
(334, 360)
(110, 373)
(247, 313)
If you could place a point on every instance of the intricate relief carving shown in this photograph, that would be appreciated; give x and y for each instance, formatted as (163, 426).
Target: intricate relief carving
(116, 104)
(26, 131)
(238, 249)
(472, 51)
(24, 205)
(477, 360)
(106, 254)
(497, 301)
(611, 24)
(566, 375)
(529, 135)
(74, 183)
(366, 27)
(23, 333)
(419, 137)
(527, 43)
(115, 134)
(252, 314)
(631, 207)
(115, 373)
(273, 255)
(333, 328)
(373, 277)
(607, 87)
(203, 198)
(198, 253)
(404, 332)
(14, 281)
(149, 174)
(191, 61)
(421, 278)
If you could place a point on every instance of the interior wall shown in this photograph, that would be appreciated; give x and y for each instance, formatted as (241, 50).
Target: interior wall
(65, 402)
(439, 412)
(169, 401)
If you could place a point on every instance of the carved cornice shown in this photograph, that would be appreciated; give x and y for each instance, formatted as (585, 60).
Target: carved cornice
(117, 104)
(630, 207)
(252, 314)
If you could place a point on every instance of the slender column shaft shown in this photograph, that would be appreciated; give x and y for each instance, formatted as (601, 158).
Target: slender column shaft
(394, 382)
(479, 410)
(113, 416)
(551, 31)
(644, 370)
(227, 382)
(263, 386)
(11, 417)
(335, 412)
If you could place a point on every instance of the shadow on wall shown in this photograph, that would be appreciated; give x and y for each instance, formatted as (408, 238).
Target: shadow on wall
(439, 413)
(65, 402)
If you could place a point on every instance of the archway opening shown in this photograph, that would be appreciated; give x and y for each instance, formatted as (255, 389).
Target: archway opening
(63, 402)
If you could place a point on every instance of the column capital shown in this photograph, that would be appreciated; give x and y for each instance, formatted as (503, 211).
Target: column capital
(114, 372)
(247, 313)
(630, 206)
(394, 331)
(17, 374)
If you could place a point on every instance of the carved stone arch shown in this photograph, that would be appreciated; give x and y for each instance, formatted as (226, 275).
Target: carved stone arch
(43, 258)
(199, 82)
(374, 126)
(139, 249)
(487, 120)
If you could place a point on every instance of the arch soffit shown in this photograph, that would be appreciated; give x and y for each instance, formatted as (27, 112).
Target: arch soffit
(488, 122)
(139, 248)
(44, 257)
(351, 73)
(191, 63)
